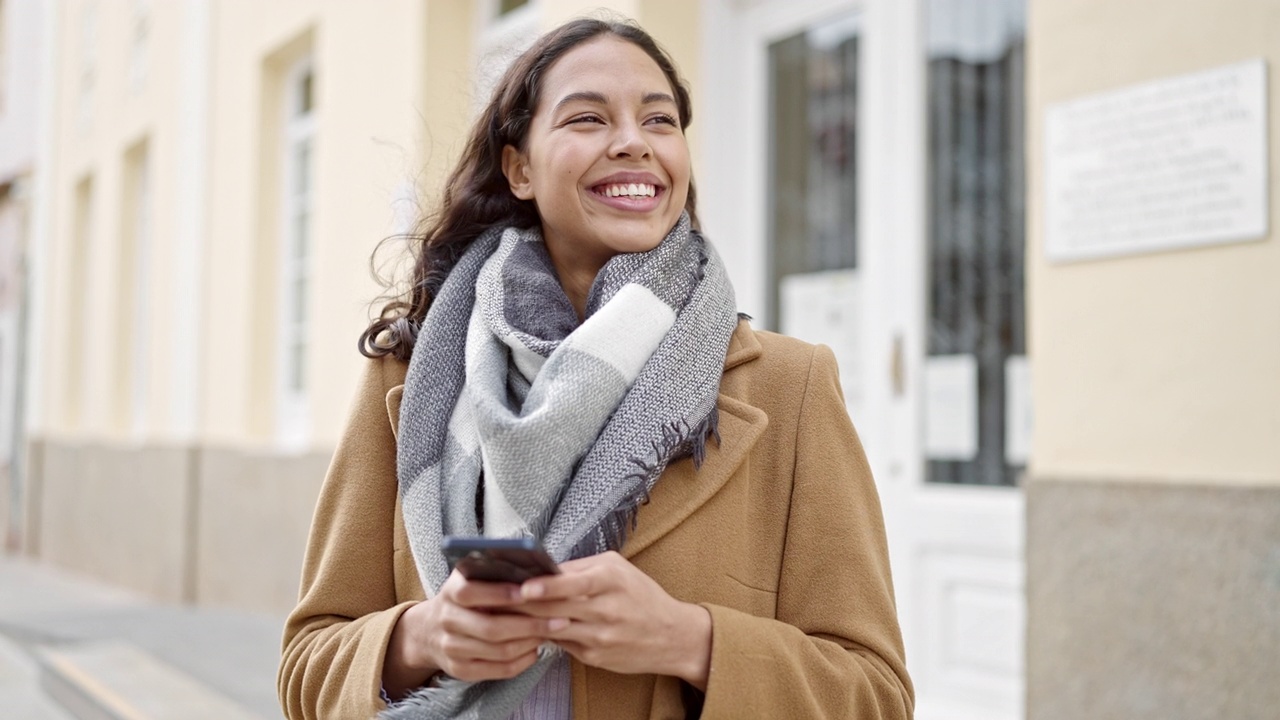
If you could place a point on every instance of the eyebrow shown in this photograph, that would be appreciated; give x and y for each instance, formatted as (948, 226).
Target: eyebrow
(600, 99)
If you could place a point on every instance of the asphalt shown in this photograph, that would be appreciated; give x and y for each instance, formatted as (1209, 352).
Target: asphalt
(75, 649)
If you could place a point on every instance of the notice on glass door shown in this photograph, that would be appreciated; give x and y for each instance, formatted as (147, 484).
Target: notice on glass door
(823, 307)
(1017, 410)
(951, 407)
(1174, 163)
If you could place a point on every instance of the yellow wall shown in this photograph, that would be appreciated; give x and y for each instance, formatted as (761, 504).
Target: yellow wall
(1157, 366)
(90, 403)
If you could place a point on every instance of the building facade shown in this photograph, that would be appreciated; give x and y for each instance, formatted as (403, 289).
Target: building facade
(875, 173)
(22, 48)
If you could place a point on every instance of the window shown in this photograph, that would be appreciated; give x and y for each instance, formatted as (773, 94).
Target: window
(295, 250)
(813, 132)
(976, 217)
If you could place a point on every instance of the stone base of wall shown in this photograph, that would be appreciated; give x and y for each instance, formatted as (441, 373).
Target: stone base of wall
(254, 515)
(1152, 601)
(182, 524)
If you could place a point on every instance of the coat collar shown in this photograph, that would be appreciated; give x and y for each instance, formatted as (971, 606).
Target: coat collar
(682, 489)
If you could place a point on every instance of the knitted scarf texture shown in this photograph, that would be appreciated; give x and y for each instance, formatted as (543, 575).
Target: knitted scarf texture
(562, 427)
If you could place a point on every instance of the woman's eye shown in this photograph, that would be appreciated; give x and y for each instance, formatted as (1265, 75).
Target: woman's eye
(667, 119)
(585, 118)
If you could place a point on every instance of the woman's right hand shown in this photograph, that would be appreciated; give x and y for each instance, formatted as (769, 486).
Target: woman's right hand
(463, 631)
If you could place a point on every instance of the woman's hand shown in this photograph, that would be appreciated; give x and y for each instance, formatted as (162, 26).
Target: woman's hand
(464, 632)
(621, 620)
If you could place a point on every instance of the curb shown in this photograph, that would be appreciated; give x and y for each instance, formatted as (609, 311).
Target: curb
(118, 681)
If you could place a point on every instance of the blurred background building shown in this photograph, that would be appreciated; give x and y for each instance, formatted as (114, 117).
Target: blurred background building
(974, 202)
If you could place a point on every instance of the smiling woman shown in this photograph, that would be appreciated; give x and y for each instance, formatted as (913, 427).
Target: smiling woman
(568, 365)
(605, 160)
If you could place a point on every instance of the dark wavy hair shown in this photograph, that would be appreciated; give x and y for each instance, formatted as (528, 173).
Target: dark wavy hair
(477, 195)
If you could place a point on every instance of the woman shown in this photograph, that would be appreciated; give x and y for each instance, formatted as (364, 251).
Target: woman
(582, 377)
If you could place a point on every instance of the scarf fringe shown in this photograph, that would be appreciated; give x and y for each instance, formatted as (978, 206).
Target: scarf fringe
(679, 440)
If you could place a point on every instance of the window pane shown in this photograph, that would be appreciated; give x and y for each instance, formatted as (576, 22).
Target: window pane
(506, 6)
(301, 240)
(304, 94)
(813, 78)
(302, 169)
(299, 301)
(297, 365)
(976, 212)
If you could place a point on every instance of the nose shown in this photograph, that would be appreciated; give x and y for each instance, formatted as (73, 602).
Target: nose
(629, 142)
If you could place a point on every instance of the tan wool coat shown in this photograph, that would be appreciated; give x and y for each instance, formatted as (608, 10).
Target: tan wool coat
(779, 535)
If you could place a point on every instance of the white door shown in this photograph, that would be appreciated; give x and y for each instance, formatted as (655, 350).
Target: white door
(863, 158)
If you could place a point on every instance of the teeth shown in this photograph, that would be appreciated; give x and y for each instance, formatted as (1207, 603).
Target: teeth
(630, 190)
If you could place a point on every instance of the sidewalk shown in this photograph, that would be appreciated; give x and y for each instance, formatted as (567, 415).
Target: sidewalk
(69, 645)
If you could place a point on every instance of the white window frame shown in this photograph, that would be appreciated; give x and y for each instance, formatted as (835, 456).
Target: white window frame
(499, 39)
(296, 200)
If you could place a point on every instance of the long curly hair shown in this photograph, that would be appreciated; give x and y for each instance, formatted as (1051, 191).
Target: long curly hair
(477, 195)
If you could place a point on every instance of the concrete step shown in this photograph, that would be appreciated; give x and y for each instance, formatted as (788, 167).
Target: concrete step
(20, 695)
(112, 680)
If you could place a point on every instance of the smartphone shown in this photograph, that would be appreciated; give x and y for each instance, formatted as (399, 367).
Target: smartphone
(511, 560)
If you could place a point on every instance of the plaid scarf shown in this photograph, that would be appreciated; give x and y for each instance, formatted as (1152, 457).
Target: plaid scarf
(569, 424)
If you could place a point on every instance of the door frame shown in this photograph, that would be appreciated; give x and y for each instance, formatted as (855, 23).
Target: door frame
(941, 537)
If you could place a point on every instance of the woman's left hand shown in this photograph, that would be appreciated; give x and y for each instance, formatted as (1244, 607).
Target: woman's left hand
(621, 620)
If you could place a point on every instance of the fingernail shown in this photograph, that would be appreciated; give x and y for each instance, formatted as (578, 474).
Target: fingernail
(532, 590)
(558, 624)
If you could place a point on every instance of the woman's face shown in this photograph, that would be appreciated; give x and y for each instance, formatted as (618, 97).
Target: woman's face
(605, 159)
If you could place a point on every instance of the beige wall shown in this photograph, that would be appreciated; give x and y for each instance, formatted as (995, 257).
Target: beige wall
(121, 116)
(1159, 366)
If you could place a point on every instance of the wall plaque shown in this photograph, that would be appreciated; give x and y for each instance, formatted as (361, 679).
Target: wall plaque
(1174, 163)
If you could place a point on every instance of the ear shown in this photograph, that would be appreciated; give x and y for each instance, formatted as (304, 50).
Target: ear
(516, 167)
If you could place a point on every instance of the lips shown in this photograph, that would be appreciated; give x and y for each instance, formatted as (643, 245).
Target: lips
(629, 191)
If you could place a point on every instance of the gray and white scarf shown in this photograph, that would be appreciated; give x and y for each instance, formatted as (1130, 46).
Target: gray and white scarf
(569, 424)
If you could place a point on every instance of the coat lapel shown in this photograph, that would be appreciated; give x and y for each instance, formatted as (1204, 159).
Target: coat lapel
(682, 490)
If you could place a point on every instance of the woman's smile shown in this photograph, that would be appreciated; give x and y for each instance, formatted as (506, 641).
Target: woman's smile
(629, 191)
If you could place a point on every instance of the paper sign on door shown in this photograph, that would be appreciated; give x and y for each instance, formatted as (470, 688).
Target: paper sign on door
(951, 407)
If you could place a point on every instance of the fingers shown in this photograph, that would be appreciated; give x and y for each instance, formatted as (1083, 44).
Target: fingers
(476, 645)
(572, 609)
(583, 578)
(474, 670)
(491, 628)
(476, 594)
(461, 648)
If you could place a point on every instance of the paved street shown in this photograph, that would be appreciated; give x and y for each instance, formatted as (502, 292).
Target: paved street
(102, 646)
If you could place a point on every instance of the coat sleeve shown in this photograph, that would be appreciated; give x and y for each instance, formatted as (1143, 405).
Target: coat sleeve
(835, 649)
(336, 637)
